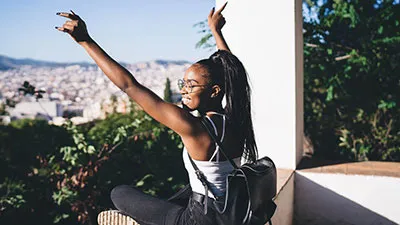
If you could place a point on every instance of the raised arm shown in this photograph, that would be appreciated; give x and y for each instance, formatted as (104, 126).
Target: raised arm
(215, 22)
(168, 114)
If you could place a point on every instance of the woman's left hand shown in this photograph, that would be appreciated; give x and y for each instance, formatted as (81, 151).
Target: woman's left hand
(215, 19)
(75, 27)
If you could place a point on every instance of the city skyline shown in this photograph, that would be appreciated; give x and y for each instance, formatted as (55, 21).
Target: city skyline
(130, 31)
(81, 90)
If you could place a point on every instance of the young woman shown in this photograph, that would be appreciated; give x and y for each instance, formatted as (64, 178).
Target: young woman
(203, 87)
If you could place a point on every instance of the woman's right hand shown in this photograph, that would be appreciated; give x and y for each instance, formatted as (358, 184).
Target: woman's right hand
(75, 27)
(215, 19)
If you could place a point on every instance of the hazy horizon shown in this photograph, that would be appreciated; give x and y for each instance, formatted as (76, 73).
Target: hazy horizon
(130, 31)
(92, 62)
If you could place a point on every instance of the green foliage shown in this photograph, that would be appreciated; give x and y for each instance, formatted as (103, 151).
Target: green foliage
(206, 42)
(351, 59)
(105, 131)
(3, 110)
(25, 146)
(64, 195)
(114, 103)
(64, 175)
(72, 154)
(167, 91)
(11, 194)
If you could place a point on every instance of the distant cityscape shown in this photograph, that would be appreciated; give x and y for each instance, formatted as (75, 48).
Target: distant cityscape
(78, 91)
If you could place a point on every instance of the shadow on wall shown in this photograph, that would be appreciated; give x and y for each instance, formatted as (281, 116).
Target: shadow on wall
(315, 204)
(309, 161)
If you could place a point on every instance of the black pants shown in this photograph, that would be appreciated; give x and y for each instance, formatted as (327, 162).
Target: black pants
(148, 210)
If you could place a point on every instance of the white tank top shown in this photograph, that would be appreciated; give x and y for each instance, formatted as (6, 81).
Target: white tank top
(214, 171)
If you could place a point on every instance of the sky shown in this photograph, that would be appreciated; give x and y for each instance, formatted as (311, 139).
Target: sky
(129, 30)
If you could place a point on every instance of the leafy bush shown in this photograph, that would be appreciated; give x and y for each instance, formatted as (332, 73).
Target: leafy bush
(351, 79)
(64, 175)
(24, 147)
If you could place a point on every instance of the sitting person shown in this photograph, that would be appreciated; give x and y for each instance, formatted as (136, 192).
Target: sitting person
(203, 87)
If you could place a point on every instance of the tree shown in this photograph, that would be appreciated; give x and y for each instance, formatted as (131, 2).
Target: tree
(206, 42)
(25, 148)
(64, 175)
(167, 91)
(351, 55)
(3, 110)
(28, 89)
(114, 103)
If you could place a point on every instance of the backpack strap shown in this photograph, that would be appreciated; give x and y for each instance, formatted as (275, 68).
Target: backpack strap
(216, 152)
(199, 174)
(204, 182)
(215, 139)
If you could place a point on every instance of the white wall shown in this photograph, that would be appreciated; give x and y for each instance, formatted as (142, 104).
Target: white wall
(32, 108)
(267, 38)
(322, 198)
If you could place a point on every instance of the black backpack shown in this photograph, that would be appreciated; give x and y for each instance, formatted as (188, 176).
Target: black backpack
(250, 189)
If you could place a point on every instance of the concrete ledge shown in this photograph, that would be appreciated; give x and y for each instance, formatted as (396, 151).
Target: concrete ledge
(284, 198)
(390, 169)
(334, 192)
(283, 176)
(338, 198)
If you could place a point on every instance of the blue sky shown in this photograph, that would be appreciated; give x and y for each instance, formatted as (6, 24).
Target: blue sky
(129, 30)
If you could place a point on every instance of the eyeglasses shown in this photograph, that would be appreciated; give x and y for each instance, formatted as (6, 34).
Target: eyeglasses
(188, 85)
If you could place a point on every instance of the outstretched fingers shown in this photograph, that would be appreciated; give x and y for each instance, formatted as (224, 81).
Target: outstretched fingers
(76, 27)
(65, 14)
(71, 15)
(68, 26)
(63, 29)
(211, 13)
(222, 8)
(75, 15)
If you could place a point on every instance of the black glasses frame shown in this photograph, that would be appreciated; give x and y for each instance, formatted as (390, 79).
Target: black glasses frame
(188, 85)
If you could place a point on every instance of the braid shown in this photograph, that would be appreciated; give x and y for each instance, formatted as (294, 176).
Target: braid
(227, 71)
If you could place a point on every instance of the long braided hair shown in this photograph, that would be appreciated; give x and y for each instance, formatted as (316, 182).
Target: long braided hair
(228, 72)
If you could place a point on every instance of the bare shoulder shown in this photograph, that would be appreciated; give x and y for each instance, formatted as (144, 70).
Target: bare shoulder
(198, 143)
